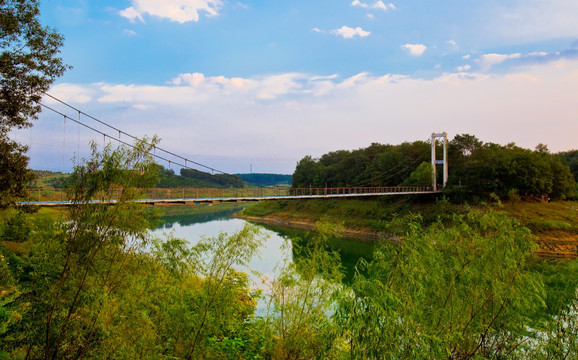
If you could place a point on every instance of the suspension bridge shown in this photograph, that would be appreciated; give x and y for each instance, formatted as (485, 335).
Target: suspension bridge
(58, 197)
(248, 191)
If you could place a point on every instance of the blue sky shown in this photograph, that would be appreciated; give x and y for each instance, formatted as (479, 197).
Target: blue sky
(234, 84)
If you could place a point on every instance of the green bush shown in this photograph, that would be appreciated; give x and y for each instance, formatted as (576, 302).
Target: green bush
(16, 228)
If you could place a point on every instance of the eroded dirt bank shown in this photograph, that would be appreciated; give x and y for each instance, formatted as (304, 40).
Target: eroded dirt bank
(550, 245)
(286, 222)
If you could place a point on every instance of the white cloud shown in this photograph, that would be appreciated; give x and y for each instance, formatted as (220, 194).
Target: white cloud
(377, 5)
(132, 14)
(71, 92)
(463, 68)
(180, 11)
(264, 88)
(486, 61)
(142, 107)
(349, 33)
(415, 49)
(532, 20)
(129, 32)
(538, 54)
(273, 86)
(466, 57)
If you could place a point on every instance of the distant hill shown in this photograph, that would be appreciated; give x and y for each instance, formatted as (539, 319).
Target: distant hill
(48, 179)
(198, 179)
(266, 179)
(195, 178)
(187, 178)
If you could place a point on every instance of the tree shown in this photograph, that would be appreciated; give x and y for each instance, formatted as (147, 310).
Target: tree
(422, 176)
(454, 290)
(78, 266)
(13, 172)
(296, 325)
(465, 144)
(483, 168)
(570, 158)
(29, 64)
(307, 172)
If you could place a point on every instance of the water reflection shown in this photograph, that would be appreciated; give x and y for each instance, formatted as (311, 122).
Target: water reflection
(167, 222)
(277, 249)
(349, 250)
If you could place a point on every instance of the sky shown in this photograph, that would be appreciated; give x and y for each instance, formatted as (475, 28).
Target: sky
(252, 85)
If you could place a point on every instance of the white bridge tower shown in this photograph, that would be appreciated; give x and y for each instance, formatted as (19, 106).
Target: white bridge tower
(435, 161)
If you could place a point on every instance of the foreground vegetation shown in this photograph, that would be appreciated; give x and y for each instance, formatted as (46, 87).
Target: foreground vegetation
(97, 286)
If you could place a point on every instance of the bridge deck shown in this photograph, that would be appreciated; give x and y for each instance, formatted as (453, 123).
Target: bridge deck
(240, 198)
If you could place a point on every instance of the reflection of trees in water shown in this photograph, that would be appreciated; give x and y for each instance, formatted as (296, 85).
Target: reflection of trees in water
(350, 250)
(168, 222)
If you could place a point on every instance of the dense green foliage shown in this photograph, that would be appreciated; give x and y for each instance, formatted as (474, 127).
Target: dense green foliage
(450, 290)
(80, 287)
(476, 169)
(29, 63)
(483, 168)
(422, 176)
(376, 165)
(14, 174)
(570, 158)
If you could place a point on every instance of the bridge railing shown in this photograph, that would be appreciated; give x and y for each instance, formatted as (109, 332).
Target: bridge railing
(56, 194)
(60, 195)
(358, 190)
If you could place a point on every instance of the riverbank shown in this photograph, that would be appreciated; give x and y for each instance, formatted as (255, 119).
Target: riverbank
(554, 225)
(366, 234)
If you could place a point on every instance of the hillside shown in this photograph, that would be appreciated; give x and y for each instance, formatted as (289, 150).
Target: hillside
(48, 179)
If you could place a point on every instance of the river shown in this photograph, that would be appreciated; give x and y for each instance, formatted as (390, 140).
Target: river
(277, 248)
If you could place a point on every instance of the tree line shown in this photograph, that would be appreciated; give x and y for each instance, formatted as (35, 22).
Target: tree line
(196, 178)
(376, 165)
(509, 170)
(475, 168)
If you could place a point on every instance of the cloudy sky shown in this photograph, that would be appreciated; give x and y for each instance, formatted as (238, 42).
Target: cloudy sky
(260, 84)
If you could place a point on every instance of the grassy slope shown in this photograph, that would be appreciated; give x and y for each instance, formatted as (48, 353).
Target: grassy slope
(555, 224)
